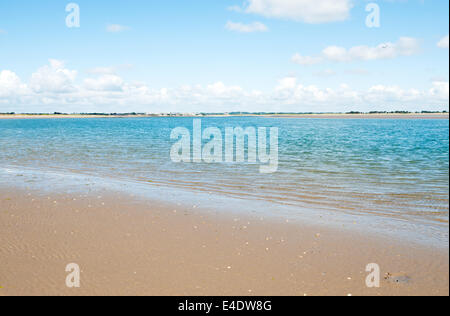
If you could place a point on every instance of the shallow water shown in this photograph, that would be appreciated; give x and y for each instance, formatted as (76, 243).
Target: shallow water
(384, 171)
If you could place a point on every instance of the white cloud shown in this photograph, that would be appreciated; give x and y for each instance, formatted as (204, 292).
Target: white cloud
(111, 70)
(246, 28)
(440, 89)
(8, 80)
(116, 28)
(107, 82)
(357, 72)
(382, 93)
(306, 60)
(309, 11)
(102, 71)
(10, 84)
(235, 8)
(377, 97)
(219, 88)
(443, 43)
(405, 46)
(2, 31)
(325, 73)
(287, 83)
(53, 78)
(58, 90)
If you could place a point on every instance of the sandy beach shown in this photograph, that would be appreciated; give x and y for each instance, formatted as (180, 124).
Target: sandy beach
(257, 149)
(130, 246)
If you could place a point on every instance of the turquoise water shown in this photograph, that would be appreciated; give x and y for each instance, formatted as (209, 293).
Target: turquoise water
(383, 169)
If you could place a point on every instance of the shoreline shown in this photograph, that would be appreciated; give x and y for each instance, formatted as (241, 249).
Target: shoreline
(422, 234)
(312, 116)
(127, 245)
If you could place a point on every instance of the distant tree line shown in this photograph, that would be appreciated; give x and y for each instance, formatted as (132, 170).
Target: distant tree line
(397, 112)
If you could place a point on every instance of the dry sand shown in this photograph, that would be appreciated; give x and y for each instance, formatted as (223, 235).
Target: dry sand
(128, 246)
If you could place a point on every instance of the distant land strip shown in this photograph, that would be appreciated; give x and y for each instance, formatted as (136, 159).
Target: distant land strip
(373, 114)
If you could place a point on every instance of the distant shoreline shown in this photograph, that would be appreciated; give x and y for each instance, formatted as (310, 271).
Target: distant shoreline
(436, 115)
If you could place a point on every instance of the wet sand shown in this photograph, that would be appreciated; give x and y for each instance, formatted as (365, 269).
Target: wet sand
(130, 246)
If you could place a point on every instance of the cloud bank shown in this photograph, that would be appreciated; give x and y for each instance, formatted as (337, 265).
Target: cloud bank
(54, 87)
(308, 11)
(405, 46)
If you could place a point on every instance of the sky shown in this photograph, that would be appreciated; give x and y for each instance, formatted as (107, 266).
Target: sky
(223, 55)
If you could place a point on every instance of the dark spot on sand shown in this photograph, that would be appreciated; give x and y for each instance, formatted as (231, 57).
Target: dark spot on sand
(397, 278)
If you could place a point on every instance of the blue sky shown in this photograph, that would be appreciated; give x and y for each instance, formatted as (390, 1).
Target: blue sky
(215, 56)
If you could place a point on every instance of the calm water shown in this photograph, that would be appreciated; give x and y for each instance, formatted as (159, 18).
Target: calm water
(392, 169)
